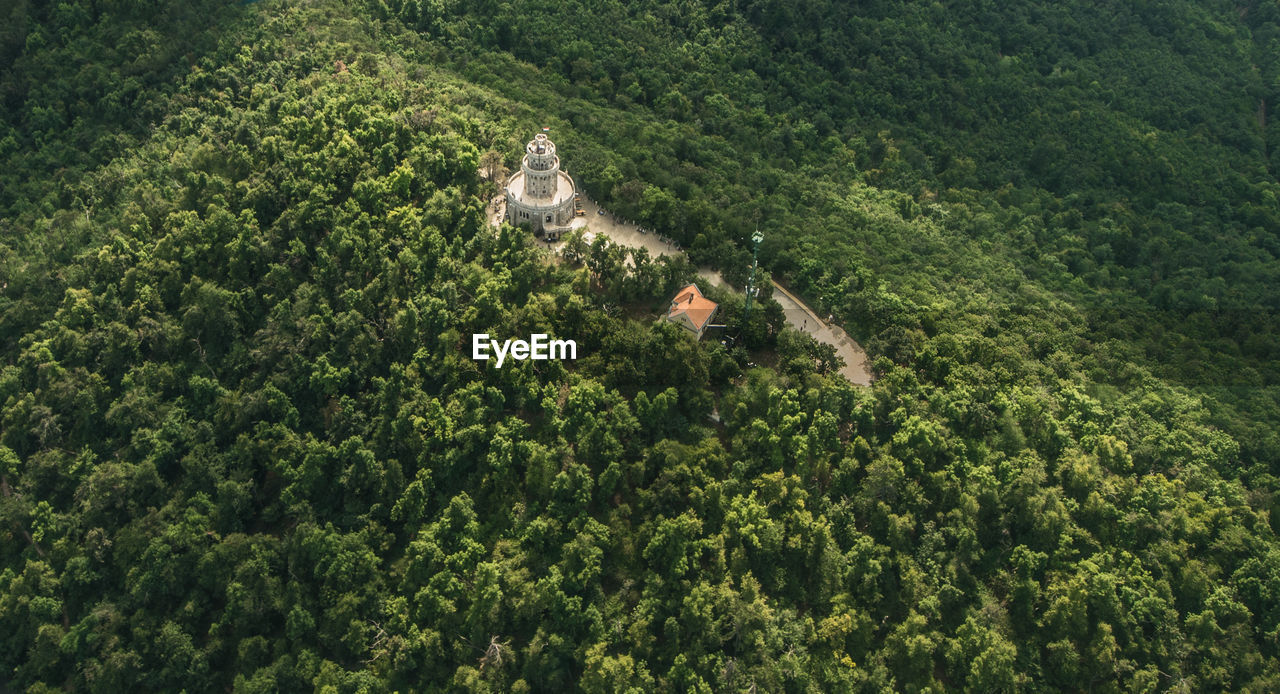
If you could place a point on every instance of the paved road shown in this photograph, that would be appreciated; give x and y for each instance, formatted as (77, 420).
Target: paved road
(624, 232)
(801, 317)
(798, 315)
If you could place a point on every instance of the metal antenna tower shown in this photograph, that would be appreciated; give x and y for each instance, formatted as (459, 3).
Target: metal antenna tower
(756, 238)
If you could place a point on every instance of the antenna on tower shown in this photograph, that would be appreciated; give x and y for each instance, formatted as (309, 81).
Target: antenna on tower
(756, 238)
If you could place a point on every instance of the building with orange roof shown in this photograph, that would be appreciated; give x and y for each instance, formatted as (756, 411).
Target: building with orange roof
(692, 311)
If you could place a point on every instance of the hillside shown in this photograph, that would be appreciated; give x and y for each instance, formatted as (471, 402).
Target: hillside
(243, 445)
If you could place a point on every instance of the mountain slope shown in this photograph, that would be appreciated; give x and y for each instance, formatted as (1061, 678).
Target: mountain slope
(243, 445)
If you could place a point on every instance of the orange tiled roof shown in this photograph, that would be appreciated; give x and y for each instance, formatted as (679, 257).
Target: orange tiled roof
(690, 302)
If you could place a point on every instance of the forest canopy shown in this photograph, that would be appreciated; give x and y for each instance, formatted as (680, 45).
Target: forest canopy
(243, 248)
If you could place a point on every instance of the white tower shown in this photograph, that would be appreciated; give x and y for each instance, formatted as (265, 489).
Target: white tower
(540, 166)
(540, 195)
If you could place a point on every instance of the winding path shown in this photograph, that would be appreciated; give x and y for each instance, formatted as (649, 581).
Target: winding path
(801, 317)
(797, 313)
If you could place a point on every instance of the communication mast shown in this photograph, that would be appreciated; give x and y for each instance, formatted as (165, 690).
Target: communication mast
(756, 238)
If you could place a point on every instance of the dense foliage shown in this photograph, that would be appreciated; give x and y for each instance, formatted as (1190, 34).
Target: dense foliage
(242, 445)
